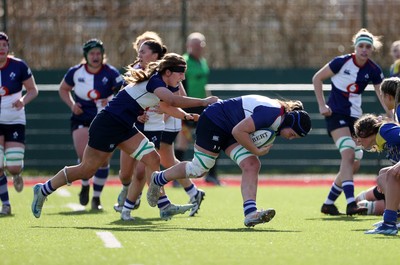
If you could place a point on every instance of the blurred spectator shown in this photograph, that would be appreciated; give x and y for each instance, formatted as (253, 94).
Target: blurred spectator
(395, 52)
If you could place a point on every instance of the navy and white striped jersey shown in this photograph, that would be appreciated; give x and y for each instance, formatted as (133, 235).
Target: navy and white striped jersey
(349, 82)
(266, 112)
(89, 87)
(12, 76)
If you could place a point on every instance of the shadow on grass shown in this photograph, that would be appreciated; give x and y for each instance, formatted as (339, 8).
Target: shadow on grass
(242, 229)
(148, 225)
(340, 218)
(79, 212)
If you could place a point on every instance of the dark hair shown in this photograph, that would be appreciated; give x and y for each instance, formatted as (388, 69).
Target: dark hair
(3, 36)
(90, 44)
(391, 86)
(367, 125)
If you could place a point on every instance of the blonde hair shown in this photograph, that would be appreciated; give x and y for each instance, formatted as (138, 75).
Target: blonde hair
(133, 76)
(377, 44)
(148, 35)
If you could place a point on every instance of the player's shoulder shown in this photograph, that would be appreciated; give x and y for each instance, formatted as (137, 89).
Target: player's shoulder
(109, 67)
(16, 61)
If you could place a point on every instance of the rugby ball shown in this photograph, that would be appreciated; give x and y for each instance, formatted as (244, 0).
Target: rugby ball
(263, 137)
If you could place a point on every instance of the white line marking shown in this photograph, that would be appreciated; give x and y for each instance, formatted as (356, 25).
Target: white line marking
(63, 193)
(109, 240)
(76, 207)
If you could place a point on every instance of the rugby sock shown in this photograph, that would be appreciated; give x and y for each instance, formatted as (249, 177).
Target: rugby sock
(348, 189)
(191, 190)
(390, 217)
(138, 199)
(163, 202)
(129, 205)
(47, 189)
(249, 207)
(4, 190)
(334, 193)
(99, 180)
(160, 179)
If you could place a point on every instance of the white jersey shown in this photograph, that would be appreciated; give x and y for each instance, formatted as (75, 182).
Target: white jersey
(9, 114)
(173, 124)
(155, 121)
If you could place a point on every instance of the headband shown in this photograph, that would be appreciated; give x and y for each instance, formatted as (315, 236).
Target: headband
(177, 69)
(364, 39)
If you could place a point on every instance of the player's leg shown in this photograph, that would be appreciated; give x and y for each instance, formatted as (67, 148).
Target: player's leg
(80, 136)
(4, 196)
(168, 159)
(250, 166)
(99, 180)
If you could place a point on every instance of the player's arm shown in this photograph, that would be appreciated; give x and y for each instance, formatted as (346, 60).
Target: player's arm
(242, 131)
(178, 112)
(318, 80)
(31, 93)
(65, 95)
(179, 101)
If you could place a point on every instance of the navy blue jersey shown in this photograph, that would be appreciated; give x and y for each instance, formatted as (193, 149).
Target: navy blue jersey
(349, 82)
(133, 99)
(12, 76)
(265, 112)
(88, 88)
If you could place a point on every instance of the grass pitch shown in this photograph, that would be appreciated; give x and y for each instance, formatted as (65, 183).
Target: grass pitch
(299, 233)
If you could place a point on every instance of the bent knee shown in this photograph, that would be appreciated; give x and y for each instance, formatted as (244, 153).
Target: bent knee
(250, 164)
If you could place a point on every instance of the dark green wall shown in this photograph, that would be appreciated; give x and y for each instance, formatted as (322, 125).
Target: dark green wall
(217, 76)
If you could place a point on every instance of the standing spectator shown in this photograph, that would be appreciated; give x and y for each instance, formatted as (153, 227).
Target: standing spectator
(350, 74)
(195, 85)
(94, 82)
(14, 75)
(395, 52)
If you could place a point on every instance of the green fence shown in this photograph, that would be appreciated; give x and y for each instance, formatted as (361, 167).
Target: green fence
(49, 143)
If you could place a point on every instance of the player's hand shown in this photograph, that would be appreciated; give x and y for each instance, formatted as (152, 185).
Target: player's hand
(191, 117)
(143, 118)
(102, 102)
(264, 150)
(325, 110)
(18, 104)
(210, 100)
(77, 109)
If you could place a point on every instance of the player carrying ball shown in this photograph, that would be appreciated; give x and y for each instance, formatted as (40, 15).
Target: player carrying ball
(227, 125)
